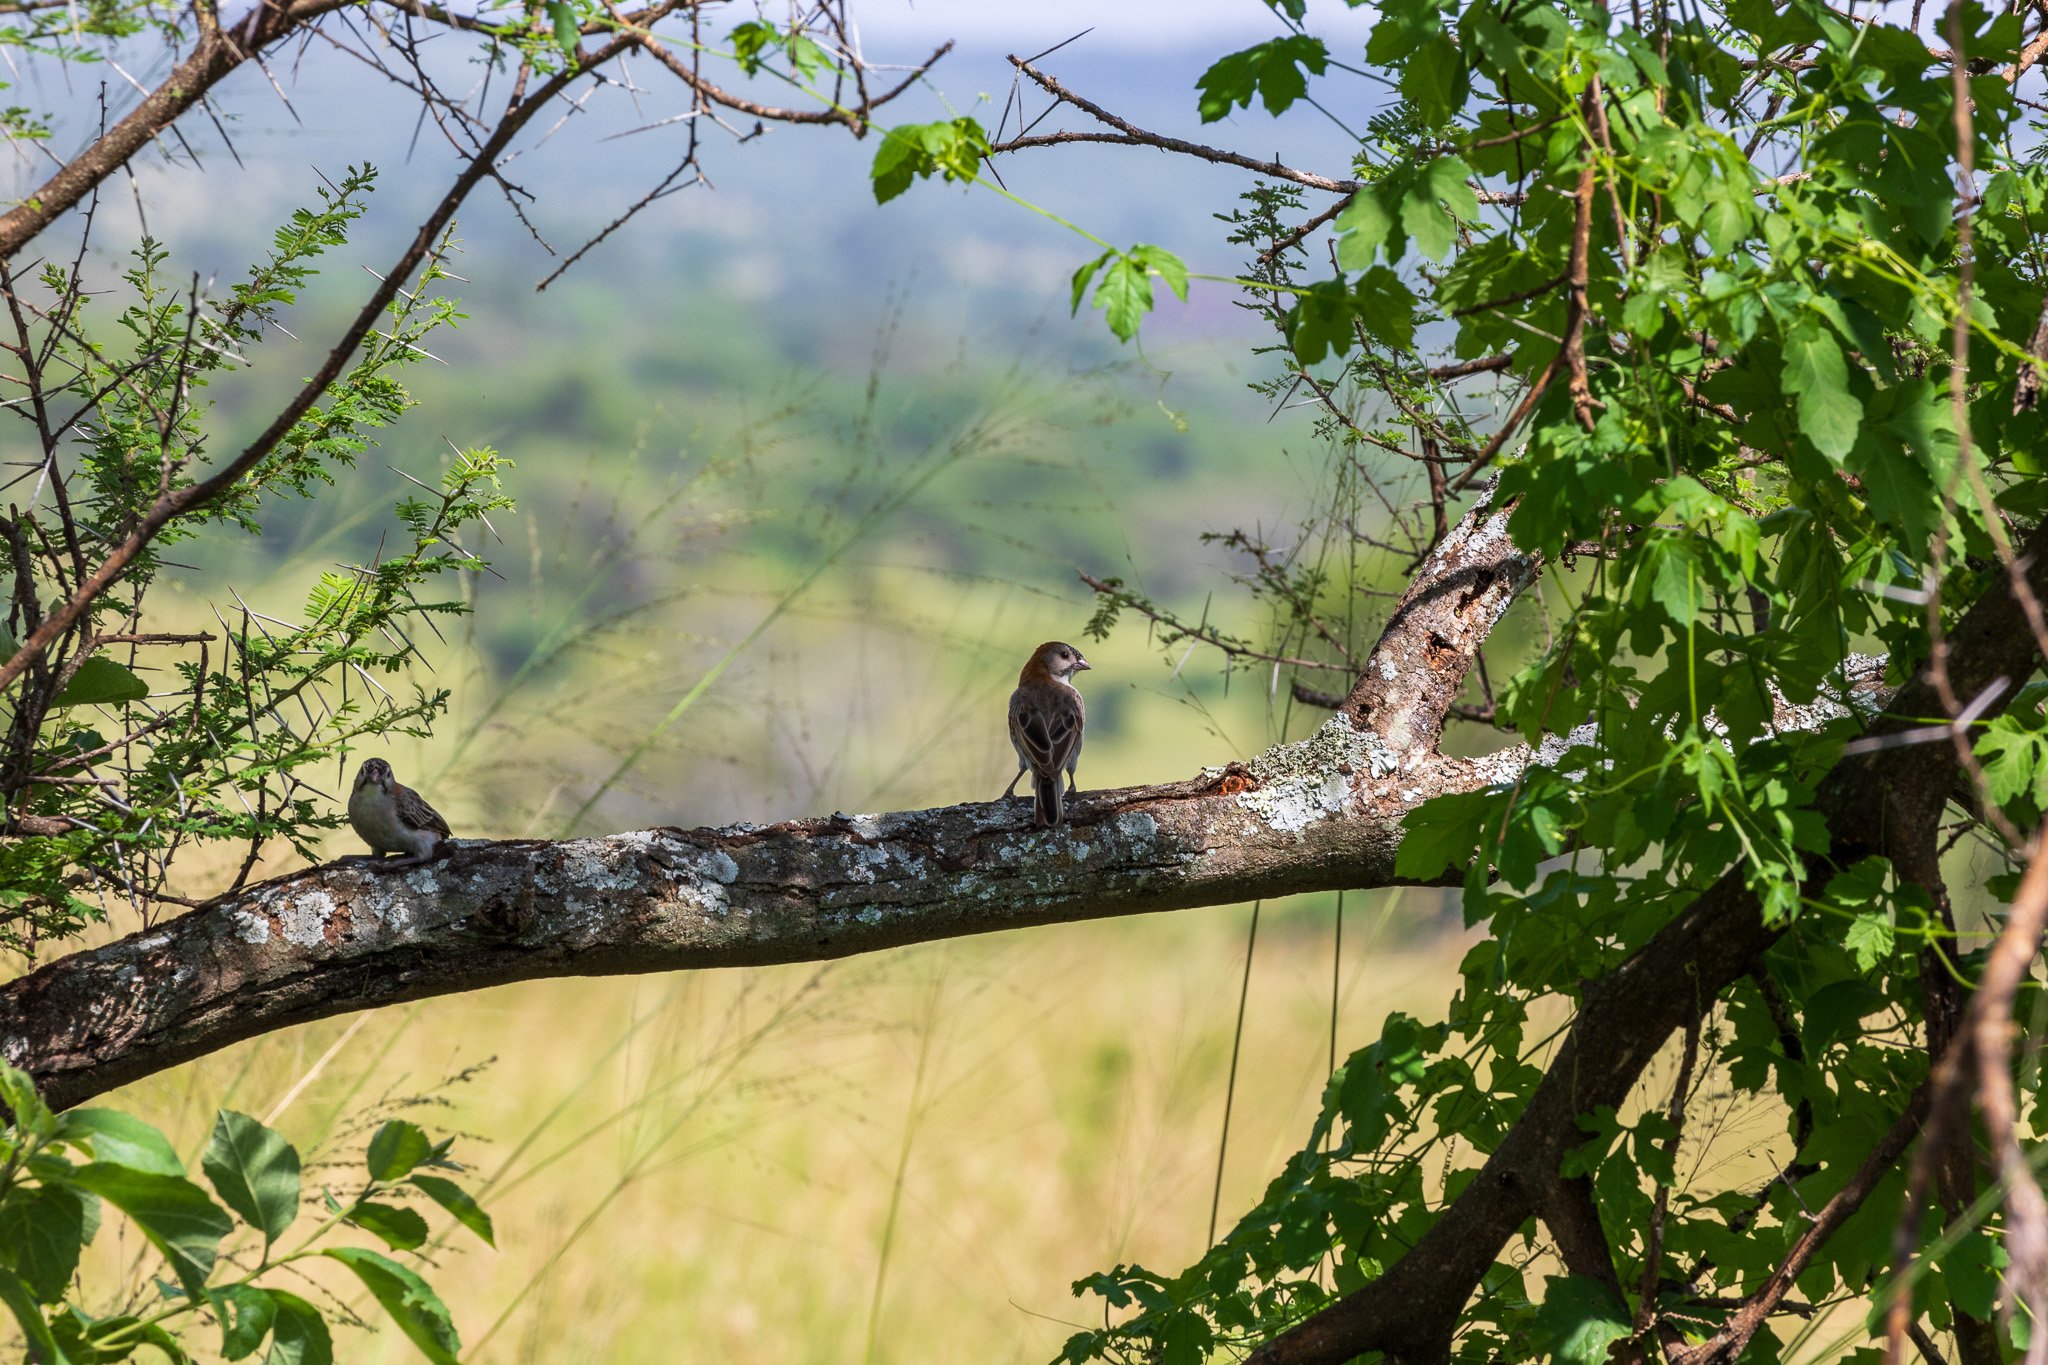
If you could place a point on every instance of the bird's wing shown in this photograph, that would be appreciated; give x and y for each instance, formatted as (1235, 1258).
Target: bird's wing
(1047, 723)
(414, 812)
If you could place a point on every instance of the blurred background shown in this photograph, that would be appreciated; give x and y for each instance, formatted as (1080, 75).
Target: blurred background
(855, 456)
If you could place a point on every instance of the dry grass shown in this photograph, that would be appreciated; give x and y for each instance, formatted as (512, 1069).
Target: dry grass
(707, 1166)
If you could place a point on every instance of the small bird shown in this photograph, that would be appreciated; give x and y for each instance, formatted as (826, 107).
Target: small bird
(392, 818)
(1046, 720)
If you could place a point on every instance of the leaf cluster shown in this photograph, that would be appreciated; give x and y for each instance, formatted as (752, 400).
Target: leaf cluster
(226, 1254)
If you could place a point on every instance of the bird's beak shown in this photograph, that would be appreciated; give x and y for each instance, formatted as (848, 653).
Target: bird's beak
(1081, 665)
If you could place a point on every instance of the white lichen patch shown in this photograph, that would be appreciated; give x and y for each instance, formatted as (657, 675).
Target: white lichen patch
(866, 826)
(867, 863)
(302, 920)
(250, 927)
(1307, 781)
(587, 865)
(709, 901)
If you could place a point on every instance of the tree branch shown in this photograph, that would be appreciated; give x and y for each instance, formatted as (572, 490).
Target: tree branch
(1132, 134)
(346, 937)
(174, 503)
(1413, 674)
(213, 58)
(1734, 1337)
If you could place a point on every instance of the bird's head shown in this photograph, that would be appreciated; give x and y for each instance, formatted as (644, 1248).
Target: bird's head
(1061, 660)
(375, 772)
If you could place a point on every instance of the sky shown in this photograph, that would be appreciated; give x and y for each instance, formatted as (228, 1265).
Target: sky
(1126, 26)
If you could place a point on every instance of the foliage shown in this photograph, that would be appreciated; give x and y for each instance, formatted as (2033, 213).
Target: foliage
(1757, 366)
(225, 1267)
(131, 751)
(122, 773)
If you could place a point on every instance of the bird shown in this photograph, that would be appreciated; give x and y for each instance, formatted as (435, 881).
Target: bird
(393, 818)
(1046, 721)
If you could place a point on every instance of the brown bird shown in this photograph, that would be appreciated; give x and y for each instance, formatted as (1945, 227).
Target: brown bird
(393, 818)
(1046, 721)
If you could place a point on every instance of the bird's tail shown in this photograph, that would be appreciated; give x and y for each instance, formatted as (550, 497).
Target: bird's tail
(1049, 800)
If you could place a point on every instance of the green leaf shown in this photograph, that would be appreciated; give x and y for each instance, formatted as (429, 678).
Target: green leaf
(1386, 308)
(1444, 832)
(42, 1230)
(299, 1335)
(1971, 1269)
(1272, 71)
(457, 1201)
(1815, 371)
(2015, 760)
(245, 1314)
(562, 17)
(111, 1339)
(1434, 80)
(913, 151)
(1167, 266)
(172, 1212)
(409, 1300)
(1580, 1318)
(396, 1148)
(1124, 287)
(1319, 323)
(1432, 229)
(401, 1229)
(749, 41)
(119, 1139)
(1670, 577)
(1870, 938)
(255, 1171)
(42, 1346)
(806, 57)
(1362, 229)
(100, 682)
(24, 1107)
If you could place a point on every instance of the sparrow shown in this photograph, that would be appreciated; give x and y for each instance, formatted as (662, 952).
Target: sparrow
(1046, 720)
(392, 818)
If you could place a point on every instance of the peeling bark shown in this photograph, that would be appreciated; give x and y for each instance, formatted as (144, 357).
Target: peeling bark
(1413, 674)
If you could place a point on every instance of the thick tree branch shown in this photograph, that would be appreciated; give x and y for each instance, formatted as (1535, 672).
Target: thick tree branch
(1321, 813)
(345, 937)
(213, 58)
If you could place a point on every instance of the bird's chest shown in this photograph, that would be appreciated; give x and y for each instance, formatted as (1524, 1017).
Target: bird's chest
(375, 817)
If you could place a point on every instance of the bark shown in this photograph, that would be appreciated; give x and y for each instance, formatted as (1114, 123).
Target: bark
(347, 936)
